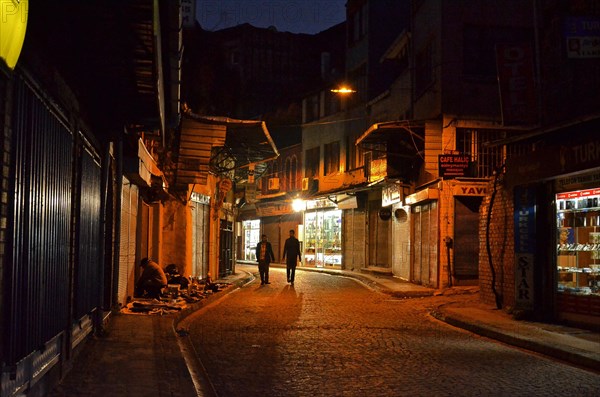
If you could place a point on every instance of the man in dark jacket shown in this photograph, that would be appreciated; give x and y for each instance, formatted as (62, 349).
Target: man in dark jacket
(152, 280)
(291, 251)
(264, 256)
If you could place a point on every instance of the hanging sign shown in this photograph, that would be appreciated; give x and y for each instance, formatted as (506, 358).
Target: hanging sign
(390, 194)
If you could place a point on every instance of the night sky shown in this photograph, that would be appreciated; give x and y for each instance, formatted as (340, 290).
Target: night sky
(297, 16)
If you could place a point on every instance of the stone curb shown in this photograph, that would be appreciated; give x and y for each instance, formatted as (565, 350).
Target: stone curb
(514, 340)
(196, 368)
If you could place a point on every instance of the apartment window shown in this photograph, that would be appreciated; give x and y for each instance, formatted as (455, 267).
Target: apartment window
(235, 57)
(424, 69)
(479, 42)
(313, 158)
(486, 158)
(358, 81)
(275, 170)
(311, 108)
(291, 167)
(332, 157)
(355, 155)
(358, 23)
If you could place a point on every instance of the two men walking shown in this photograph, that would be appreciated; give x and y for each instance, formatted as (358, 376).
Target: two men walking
(291, 255)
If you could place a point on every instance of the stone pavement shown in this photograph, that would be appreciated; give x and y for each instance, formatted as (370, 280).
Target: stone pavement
(147, 355)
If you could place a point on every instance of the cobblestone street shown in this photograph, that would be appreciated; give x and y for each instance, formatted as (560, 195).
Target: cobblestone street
(331, 336)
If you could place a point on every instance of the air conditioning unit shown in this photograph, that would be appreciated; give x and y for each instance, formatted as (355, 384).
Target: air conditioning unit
(273, 183)
(305, 184)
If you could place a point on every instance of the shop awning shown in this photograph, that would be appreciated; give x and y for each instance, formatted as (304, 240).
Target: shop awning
(221, 145)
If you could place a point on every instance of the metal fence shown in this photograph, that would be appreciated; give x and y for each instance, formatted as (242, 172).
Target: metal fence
(53, 264)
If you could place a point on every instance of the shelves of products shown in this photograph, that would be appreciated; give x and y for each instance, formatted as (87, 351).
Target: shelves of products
(578, 242)
(322, 232)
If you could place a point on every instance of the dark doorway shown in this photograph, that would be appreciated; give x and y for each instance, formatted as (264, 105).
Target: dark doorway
(466, 239)
(226, 248)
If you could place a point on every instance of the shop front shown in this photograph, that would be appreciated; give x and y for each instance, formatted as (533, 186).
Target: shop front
(558, 270)
(322, 234)
(250, 239)
(445, 237)
(578, 249)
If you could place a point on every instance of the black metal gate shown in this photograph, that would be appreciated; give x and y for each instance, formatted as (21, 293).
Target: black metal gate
(226, 248)
(52, 264)
(466, 237)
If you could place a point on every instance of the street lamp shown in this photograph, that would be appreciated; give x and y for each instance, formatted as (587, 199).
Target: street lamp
(343, 90)
(298, 205)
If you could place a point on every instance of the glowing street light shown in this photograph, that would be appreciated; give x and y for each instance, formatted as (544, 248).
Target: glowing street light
(298, 205)
(344, 90)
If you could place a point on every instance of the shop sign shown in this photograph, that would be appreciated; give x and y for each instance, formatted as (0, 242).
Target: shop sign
(524, 226)
(390, 194)
(517, 86)
(577, 181)
(200, 198)
(274, 209)
(454, 166)
(250, 193)
(13, 24)
(188, 13)
(322, 203)
(378, 169)
(470, 190)
(553, 161)
(583, 37)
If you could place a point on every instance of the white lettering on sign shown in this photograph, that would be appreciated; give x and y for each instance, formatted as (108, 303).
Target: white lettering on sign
(524, 229)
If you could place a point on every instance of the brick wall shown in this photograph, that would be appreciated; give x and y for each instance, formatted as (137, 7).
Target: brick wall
(501, 237)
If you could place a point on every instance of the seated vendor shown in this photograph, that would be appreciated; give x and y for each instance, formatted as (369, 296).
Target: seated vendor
(152, 280)
(173, 276)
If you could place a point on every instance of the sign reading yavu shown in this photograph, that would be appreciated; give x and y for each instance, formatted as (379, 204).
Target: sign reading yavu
(473, 190)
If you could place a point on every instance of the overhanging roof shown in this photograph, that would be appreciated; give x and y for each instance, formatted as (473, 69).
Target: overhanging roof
(122, 58)
(220, 145)
(406, 133)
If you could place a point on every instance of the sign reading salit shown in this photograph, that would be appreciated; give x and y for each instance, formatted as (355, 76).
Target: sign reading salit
(454, 166)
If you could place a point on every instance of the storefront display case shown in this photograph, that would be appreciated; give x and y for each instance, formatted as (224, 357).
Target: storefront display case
(322, 233)
(578, 242)
(251, 239)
